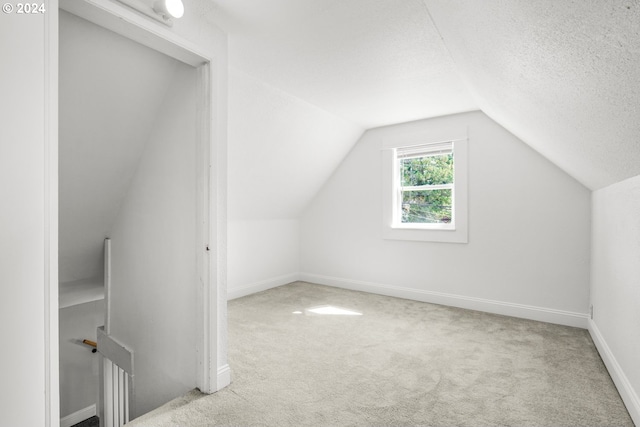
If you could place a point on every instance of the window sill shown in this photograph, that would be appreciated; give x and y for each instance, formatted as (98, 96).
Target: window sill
(439, 227)
(423, 234)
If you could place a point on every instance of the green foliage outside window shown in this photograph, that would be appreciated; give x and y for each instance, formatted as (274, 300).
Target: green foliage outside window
(427, 205)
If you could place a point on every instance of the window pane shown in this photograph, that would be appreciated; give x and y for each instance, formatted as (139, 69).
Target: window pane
(428, 170)
(427, 206)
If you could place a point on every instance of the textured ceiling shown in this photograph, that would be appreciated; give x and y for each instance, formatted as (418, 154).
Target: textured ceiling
(371, 62)
(110, 92)
(564, 76)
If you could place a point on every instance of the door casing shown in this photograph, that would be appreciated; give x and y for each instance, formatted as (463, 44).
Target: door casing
(213, 370)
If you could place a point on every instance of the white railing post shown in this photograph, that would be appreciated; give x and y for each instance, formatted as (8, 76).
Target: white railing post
(116, 363)
(107, 285)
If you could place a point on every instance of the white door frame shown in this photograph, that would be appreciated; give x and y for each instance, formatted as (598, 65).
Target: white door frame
(213, 370)
(51, 326)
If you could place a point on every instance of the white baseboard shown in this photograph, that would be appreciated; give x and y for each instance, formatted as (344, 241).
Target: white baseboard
(78, 416)
(252, 288)
(628, 394)
(542, 314)
(223, 377)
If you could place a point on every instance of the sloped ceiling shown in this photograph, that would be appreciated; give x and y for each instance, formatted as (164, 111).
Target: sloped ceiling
(307, 77)
(281, 149)
(561, 75)
(564, 76)
(371, 62)
(110, 90)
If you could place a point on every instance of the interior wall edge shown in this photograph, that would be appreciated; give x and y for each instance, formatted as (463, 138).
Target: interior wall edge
(51, 215)
(629, 395)
(541, 314)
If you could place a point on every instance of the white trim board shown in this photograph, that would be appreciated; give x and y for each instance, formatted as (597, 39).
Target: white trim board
(628, 394)
(78, 416)
(129, 23)
(542, 314)
(51, 311)
(263, 285)
(223, 377)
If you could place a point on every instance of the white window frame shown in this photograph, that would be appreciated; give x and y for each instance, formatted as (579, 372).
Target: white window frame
(422, 150)
(393, 229)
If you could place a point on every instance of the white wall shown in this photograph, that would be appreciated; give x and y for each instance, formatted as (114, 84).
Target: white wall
(615, 285)
(529, 223)
(262, 254)
(100, 146)
(154, 271)
(281, 151)
(78, 365)
(27, 267)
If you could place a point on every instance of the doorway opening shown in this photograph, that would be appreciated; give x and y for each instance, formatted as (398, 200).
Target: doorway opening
(135, 156)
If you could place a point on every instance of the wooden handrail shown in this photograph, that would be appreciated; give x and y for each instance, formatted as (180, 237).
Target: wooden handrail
(91, 344)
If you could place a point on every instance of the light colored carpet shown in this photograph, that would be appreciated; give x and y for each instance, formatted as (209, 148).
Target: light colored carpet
(401, 363)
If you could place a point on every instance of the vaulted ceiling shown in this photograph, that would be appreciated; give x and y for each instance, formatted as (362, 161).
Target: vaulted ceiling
(564, 76)
(308, 77)
(281, 149)
(371, 62)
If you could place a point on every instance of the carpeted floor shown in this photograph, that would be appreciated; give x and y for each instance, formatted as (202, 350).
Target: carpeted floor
(400, 363)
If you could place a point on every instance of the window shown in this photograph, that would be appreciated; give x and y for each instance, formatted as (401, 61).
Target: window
(425, 187)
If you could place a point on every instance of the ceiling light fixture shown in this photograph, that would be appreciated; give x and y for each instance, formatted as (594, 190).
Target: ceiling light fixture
(169, 8)
(162, 10)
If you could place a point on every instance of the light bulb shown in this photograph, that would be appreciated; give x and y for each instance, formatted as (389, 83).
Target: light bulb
(172, 8)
